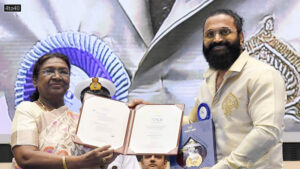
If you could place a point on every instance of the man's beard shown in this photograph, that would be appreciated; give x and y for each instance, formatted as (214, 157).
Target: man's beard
(223, 59)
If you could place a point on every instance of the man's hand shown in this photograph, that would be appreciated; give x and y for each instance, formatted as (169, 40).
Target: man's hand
(136, 102)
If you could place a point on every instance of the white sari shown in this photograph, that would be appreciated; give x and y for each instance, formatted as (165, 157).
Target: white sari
(53, 132)
(50, 131)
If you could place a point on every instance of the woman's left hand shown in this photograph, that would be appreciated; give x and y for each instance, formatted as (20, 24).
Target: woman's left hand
(105, 166)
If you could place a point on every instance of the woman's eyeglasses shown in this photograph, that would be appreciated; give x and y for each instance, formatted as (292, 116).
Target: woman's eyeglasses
(52, 71)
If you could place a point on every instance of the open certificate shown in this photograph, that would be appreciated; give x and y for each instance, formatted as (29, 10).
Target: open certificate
(147, 129)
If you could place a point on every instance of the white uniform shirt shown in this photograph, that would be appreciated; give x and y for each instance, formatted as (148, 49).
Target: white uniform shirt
(125, 162)
(247, 111)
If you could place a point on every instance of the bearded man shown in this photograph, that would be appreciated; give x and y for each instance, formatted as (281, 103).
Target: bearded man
(246, 98)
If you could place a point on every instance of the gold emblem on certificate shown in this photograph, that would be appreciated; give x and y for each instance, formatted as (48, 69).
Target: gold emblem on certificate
(229, 103)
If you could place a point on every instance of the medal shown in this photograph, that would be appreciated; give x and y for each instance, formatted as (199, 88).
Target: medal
(203, 112)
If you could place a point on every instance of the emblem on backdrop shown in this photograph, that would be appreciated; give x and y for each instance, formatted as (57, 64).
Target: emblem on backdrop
(266, 47)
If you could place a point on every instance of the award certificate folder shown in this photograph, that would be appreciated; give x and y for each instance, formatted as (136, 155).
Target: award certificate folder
(197, 146)
(147, 129)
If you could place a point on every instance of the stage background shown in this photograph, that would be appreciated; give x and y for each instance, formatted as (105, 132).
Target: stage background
(160, 66)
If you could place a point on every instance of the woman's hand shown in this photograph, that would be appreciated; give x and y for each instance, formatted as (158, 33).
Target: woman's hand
(136, 102)
(101, 156)
(31, 157)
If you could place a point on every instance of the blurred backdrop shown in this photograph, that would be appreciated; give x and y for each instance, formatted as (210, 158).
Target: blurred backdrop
(149, 49)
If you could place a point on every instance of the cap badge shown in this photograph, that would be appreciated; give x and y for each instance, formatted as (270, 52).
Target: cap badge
(95, 85)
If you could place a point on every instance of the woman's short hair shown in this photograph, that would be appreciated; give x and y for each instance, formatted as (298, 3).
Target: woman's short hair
(36, 69)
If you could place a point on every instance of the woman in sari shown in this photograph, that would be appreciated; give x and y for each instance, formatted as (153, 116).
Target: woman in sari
(43, 129)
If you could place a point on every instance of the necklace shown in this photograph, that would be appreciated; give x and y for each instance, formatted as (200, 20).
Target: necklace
(43, 106)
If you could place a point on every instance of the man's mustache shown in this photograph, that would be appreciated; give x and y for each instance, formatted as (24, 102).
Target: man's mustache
(222, 43)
